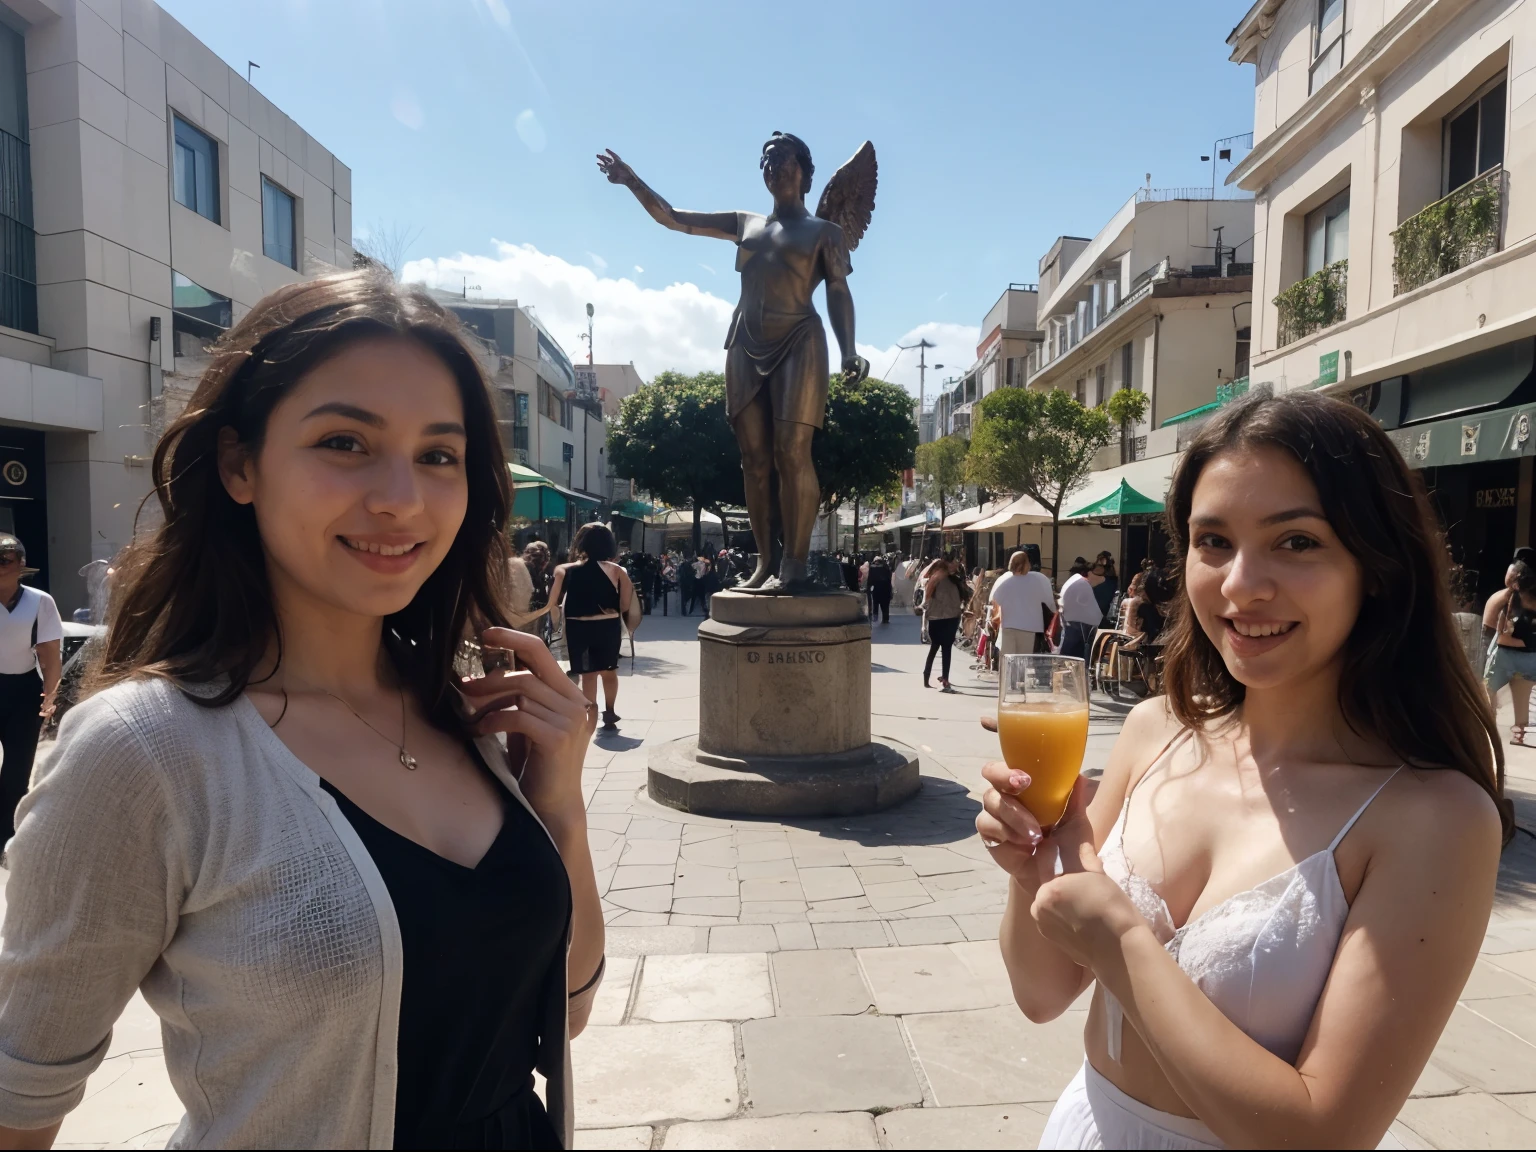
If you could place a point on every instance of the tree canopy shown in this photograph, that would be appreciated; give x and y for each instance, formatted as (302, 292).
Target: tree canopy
(1036, 444)
(867, 441)
(672, 439)
(942, 463)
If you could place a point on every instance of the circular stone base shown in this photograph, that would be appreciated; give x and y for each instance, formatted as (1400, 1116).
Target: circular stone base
(867, 779)
(760, 609)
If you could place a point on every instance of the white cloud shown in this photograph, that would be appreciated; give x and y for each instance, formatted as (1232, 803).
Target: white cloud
(407, 109)
(530, 131)
(639, 271)
(707, 268)
(597, 262)
(681, 326)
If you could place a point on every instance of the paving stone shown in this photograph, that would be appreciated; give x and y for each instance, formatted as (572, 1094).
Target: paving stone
(985, 961)
(702, 880)
(850, 934)
(782, 869)
(818, 854)
(927, 930)
(699, 833)
(126, 1095)
(613, 993)
(641, 876)
(806, 1130)
(704, 987)
(1516, 935)
(884, 874)
(647, 829)
(772, 911)
(608, 803)
(719, 853)
(980, 925)
(964, 882)
(926, 978)
(996, 1056)
(650, 852)
(609, 821)
(819, 983)
(701, 921)
(706, 905)
(842, 904)
(861, 856)
(619, 1139)
(759, 833)
(830, 883)
(1515, 1014)
(1469, 1120)
(743, 938)
(774, 849)
(935, 861)
(1487, 981)
(667, 940)
(981, 1126)
(795, 934)
(897, 897)
(1483, 1055)
(771, 890)
(602, 840)
(657, 898)
(631, 919)
(1436, 1081)
(827, 1064)
(1522, 964)
(642, 1073)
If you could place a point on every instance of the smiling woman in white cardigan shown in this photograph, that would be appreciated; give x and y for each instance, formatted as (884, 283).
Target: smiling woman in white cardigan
(352, 880)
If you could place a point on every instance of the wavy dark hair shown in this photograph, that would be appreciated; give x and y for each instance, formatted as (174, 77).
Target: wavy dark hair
(1405, 681)
(192, 601)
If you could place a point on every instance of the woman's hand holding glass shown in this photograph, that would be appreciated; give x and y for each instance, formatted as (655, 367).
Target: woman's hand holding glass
(1013, 836)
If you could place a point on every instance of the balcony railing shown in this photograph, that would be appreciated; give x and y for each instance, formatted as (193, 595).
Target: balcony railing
(1451, 233)
(1315, 303)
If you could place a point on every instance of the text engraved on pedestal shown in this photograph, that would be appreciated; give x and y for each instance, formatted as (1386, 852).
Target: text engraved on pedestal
(792, 656)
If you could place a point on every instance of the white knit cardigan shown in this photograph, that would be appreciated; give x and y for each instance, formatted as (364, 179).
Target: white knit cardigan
(184, 851)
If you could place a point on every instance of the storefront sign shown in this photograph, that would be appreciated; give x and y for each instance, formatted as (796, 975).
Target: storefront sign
(1328, 368)
(1469, 435)
(1421, 446)
(1494, 498)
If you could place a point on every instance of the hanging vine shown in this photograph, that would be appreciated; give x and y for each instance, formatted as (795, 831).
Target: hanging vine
(1450, 234)
(1312, 304)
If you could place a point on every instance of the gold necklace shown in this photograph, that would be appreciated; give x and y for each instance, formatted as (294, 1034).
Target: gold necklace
(406, 758)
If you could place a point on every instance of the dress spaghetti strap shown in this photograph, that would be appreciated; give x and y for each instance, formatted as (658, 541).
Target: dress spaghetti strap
(1360, 811)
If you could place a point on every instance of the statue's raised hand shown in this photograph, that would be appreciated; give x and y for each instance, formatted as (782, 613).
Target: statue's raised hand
(855, 369)
(616, 170)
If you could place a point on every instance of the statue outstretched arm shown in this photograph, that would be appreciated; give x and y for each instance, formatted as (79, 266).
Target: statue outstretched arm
(840, 313)
(719, 225)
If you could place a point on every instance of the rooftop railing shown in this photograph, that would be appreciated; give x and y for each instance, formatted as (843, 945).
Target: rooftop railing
(1451, 233)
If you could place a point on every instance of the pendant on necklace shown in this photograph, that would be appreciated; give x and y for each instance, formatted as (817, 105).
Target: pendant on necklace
(408, 760)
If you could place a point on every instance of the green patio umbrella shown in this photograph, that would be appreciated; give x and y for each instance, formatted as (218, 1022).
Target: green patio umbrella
(1123, 501)
(534, 496)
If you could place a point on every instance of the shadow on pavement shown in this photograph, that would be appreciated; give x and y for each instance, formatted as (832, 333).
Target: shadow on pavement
(942, 812)
(1517, 867)
(650, 666)
(614, 742)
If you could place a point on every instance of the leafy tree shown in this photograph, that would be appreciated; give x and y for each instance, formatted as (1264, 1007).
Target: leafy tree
(942, 461)
(1127, 407)
(865, 445)
(1038, 444)
(672, 439)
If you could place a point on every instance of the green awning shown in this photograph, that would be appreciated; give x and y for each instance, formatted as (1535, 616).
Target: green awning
(1123, 501)
(634, 510)
(1192, 413)
(1502, 434)
(538, 502)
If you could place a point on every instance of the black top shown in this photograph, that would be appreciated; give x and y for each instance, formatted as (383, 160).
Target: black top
(1523, 626)
(479, 944)
(1151, 621)
(589, 591)
(879, 579)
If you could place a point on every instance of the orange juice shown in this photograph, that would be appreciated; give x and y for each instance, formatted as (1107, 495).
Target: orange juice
(1047, 741)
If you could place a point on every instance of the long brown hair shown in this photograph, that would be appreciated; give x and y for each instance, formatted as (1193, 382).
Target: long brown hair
(192, 601)
(1405, 680)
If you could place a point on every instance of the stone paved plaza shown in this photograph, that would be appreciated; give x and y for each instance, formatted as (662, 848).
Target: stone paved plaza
(836, 983)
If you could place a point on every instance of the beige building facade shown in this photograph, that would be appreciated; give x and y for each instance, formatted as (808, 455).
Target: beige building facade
(153, 196)
(1395, 244)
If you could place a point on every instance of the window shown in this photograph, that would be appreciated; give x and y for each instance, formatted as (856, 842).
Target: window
(1099, 376)
(197, 314)
(1126, 352)
(1240, 360)
(277, 213)
(1474, 136)
(18, 242)
(1327, 234)
(1327, 43)
(197, 170)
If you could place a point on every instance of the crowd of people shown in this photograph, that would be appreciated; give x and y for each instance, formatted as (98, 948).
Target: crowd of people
(321, 802)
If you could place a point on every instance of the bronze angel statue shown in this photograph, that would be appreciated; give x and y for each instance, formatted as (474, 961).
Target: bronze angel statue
(776, 361)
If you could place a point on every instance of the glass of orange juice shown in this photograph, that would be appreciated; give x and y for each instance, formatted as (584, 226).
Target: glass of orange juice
(1042, 722)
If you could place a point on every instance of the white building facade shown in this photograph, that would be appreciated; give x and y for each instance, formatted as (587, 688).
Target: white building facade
(1395, 248)
(151, 197)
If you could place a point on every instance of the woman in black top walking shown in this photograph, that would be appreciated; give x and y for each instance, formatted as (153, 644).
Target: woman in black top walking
(591, 594)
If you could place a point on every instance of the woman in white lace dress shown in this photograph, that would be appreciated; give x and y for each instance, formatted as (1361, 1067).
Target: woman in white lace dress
(1279, 886)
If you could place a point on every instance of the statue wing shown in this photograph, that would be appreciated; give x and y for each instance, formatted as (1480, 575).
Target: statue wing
(848, 200)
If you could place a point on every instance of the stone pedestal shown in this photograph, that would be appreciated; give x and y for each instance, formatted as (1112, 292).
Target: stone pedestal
(784, 706)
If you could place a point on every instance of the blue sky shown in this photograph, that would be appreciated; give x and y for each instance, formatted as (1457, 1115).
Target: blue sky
(998, 126)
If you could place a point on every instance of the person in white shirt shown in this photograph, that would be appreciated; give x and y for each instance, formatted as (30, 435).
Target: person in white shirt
(1022, 603)
(1080, 612)
(31, 634)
